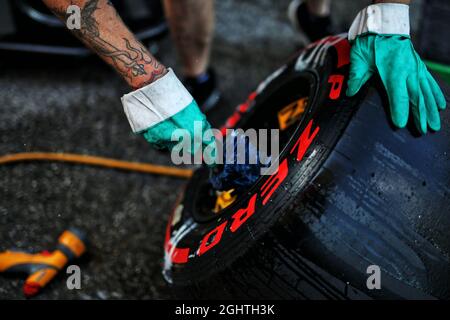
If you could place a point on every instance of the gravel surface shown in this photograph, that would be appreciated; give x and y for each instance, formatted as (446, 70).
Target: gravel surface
(74, 106)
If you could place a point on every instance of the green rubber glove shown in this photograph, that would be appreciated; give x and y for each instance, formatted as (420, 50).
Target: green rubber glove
(164, 110)
(404, 75)
(160, 134)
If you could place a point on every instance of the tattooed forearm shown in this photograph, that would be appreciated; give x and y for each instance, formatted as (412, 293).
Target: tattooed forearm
(104, 32)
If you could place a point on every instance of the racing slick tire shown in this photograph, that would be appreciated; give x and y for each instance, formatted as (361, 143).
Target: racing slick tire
(356, 210)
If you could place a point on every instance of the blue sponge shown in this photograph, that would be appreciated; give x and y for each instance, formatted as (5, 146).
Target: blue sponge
(233, 174)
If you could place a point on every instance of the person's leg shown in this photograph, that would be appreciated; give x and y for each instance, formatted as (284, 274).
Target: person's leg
(311, 18)
(191, 23)
(320, 8)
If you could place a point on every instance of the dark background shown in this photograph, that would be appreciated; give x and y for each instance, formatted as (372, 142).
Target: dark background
(73, 105)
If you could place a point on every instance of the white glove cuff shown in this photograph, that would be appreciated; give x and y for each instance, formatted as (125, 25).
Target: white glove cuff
(155, 102)
(381, 18)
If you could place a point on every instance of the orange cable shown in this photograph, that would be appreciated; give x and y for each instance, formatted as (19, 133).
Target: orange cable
(96, 161)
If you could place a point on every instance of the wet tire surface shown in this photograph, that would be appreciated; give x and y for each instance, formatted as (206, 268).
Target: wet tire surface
(378, 196)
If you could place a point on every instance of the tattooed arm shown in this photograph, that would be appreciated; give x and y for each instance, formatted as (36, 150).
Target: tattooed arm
(104, 32)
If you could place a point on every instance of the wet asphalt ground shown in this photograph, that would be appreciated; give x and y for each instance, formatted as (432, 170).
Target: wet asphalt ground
(73, 105)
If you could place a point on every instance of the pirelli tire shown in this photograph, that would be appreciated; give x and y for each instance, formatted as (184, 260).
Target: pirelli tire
(357, 208)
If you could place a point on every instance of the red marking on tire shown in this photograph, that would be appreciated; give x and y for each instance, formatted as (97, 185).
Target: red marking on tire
(176, 255)
(242, 215)
(343, 52)
(336, 81)
(342, 48)
(274, 181)
(233, 119)
(304, 141)
(223, 131)
(206, 244)
(236, 116)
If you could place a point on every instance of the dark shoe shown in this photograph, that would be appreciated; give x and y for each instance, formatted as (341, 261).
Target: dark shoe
(204, 90)
(310, 27)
